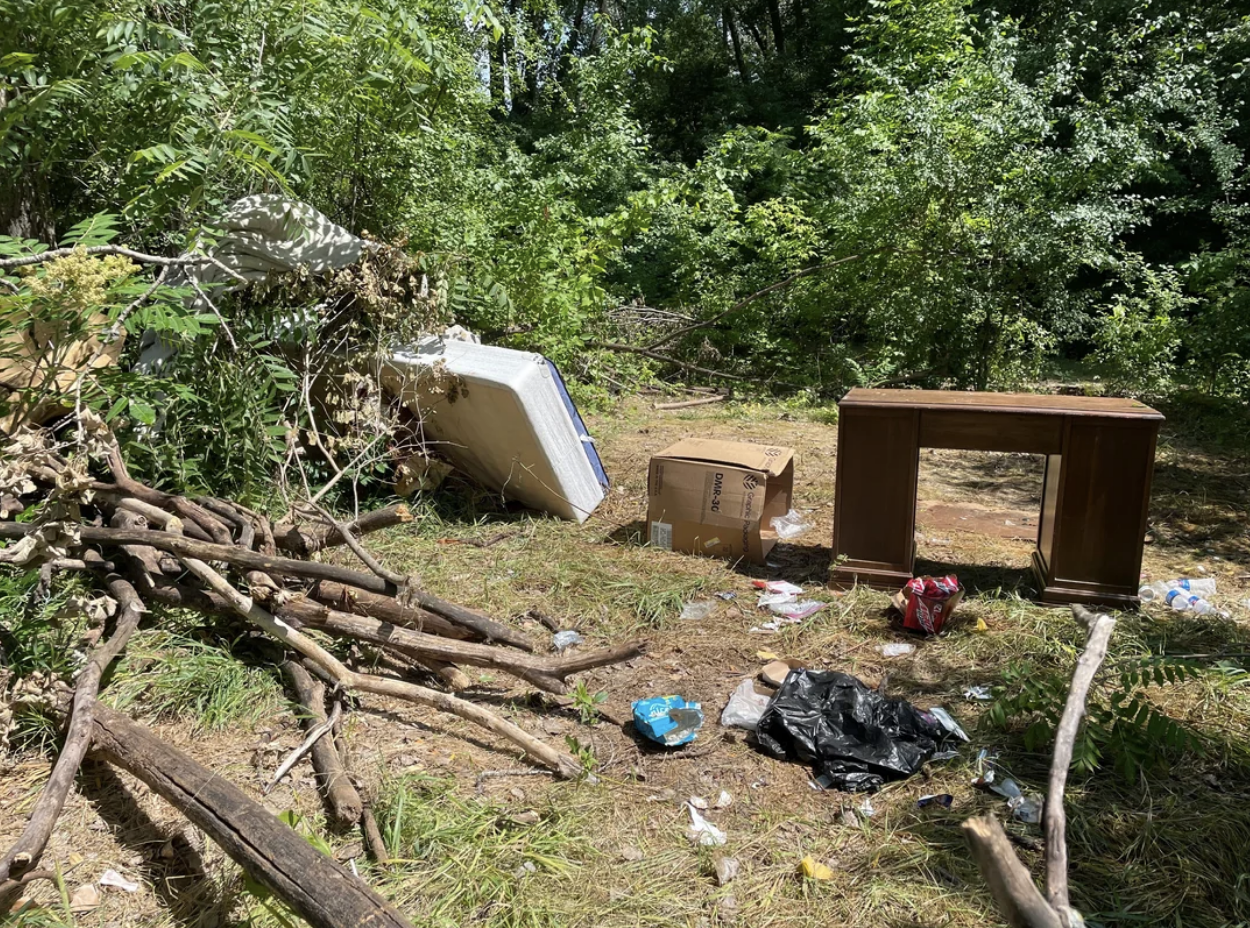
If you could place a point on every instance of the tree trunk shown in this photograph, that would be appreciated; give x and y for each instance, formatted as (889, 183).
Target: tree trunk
(774, 17)
(318, 890)
(737, 44)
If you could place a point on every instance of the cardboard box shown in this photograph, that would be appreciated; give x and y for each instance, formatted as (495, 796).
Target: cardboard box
(717, 498)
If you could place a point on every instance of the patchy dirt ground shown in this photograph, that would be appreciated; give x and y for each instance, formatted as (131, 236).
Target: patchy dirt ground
(615, 852)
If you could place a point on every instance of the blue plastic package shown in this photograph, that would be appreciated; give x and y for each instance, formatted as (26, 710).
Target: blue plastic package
(668, 720)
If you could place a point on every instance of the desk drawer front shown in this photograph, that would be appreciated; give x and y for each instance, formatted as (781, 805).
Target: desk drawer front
(990, 431)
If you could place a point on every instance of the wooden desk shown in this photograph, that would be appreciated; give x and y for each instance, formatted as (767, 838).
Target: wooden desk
(1099, 463)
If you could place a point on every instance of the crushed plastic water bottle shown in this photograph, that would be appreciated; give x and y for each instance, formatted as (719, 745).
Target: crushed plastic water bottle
(1183, 601)
(791, 525)
(697, 610)
(1159, 589)
(566, 640)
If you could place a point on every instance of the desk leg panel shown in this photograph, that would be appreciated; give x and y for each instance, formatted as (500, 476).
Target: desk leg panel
(1100, 515)
(874, 517)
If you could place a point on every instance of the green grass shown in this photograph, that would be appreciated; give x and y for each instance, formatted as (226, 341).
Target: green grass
(169, 675)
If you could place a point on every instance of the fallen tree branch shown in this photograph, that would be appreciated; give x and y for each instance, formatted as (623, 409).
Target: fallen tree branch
(317, 888)
(557, 761)
(25, 853)
(544, 672)
(1100, 627)
(287, 567)
(1014, 891)
(138, 256)
(468, 624)
(669, 359)
(349, 539)
(305, 541)
(771, 288)
(315, 734)
(342, 797)
(1011, 885)
(686, 404)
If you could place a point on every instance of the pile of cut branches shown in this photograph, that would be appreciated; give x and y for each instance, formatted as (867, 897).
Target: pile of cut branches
(149, 547)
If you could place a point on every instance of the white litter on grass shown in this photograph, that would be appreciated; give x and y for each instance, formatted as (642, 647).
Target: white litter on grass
(896, 648)
(696, 611)
(723, 801)
(115, 879)
(703, 832)
(866, 809)
(777, 586)
(774, 625)
(948, 723)
(745, 707)
(768, 600)
(698, 802)
(978, 693)
(798, 611)
(791, 525)
(566, 640)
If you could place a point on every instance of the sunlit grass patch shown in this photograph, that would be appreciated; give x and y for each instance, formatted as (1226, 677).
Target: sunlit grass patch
(168, 675)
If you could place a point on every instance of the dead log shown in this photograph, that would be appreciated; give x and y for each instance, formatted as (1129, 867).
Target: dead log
(544, 672)
(472, 626)
(686, 404)
(388, 609)
(125, 485)
(420, 646)
(306, 540)
(557, 761)
(315, 887)
(24, 855)
(341, 796)
(1099, 628)
(280, 566)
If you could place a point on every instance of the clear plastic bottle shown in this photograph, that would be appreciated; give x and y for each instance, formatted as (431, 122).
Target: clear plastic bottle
(1183, 600)
(1159, 589)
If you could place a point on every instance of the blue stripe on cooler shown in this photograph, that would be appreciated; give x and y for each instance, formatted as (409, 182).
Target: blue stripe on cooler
(588, 443)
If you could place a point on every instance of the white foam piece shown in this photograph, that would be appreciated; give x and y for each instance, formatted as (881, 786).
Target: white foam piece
(509, 422)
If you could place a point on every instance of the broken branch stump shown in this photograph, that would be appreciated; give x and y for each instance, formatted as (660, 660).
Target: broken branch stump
(341, 796)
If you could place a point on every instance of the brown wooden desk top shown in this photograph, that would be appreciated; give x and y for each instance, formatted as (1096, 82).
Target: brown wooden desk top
(1030, 403)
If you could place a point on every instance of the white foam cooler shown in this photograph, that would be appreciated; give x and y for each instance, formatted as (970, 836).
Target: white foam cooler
(508, 422)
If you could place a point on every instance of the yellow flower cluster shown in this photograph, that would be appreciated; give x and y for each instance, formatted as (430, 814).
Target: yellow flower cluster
(78, 281)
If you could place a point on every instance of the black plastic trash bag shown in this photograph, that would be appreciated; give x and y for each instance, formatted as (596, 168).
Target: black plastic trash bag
(850, 735)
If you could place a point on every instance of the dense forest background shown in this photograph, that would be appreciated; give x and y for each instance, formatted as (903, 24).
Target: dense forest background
(946, 193)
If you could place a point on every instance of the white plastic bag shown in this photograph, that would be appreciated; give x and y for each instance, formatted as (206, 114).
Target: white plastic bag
(745, 707)
(791, 525)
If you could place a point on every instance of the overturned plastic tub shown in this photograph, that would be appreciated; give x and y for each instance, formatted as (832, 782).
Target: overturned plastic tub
(505, 418)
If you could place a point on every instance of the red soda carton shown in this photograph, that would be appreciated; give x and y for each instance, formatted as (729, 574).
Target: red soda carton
(930, 602)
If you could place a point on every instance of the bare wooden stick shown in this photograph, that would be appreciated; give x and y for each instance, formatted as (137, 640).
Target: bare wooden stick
(1100, 627)
(349, 539)
(279, 566)
(1013, 889)
(373, 836)
(342, 797)
(466, 624)
(318, 732)
(317, 888)
(557, 761)
(311, 539)
(25, 854)
(686, 404)
(1016, 895)
(546, 673)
